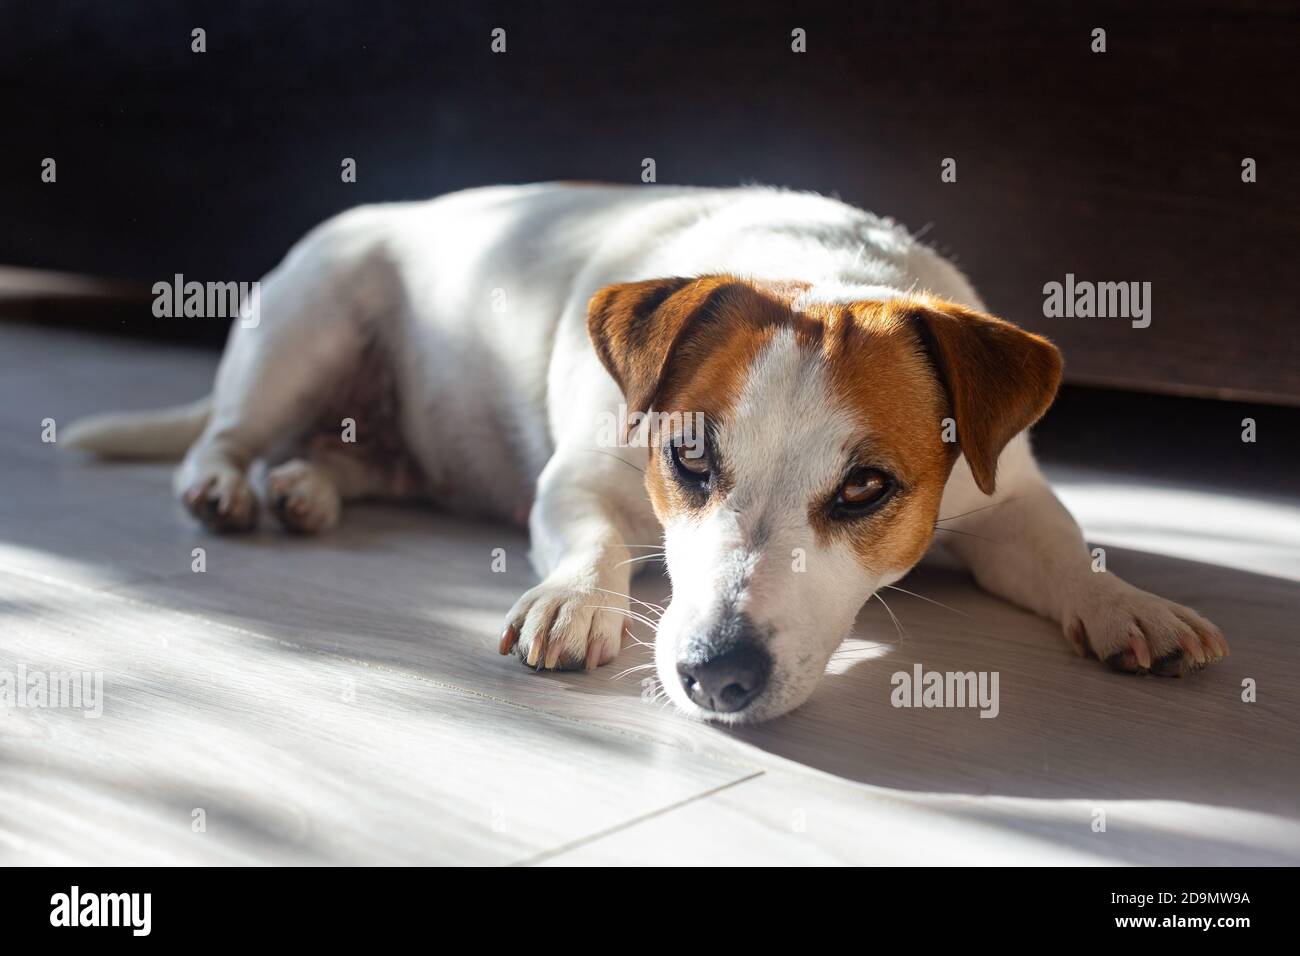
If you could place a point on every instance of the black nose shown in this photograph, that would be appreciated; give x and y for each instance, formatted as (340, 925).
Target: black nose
(727, 680)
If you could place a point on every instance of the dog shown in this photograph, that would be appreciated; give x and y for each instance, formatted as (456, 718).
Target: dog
(851, 388)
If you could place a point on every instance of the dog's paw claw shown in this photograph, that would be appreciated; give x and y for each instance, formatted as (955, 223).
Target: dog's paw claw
(1139, 633)
(562, 625)
(222, 502)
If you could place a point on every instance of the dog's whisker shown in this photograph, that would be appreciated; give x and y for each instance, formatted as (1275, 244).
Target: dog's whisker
(897, 624)
(996, 504)
(631, 670)
(598, 451)
(969, 535)
(657, 547)
(634, 615)
(894, 587)
(653, 607)
(642, 557)
(635, 641)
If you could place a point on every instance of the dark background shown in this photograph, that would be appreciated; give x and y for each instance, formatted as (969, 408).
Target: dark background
(1117, 166)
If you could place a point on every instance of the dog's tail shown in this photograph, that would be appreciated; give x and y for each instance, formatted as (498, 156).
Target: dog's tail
(164, 434)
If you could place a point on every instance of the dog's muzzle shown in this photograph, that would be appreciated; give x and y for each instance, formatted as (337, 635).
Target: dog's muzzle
(725, 670)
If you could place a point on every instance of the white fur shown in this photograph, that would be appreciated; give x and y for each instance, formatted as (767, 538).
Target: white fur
(787, 440)
(501, 410)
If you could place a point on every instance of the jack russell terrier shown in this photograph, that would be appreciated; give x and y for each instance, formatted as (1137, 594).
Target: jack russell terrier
(853, 394)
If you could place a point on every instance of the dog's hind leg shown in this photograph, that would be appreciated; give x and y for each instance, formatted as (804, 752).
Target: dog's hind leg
(306, 495)
(318, 313)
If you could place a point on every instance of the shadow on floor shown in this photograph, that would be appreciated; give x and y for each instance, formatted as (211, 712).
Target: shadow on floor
(1067, 727)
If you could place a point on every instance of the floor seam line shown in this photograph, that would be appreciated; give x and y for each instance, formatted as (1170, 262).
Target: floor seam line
(635, 821)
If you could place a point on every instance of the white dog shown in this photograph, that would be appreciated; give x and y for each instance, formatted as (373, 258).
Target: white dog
(852, 393)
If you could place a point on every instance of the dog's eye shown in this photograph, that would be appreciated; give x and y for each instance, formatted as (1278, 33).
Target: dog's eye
(864, 490)
(693, 468)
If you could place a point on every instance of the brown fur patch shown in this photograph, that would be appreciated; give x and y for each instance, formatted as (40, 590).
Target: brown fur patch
(999, 378)
(656, 336)
(903, 366)
(878, 374)
(683, 346)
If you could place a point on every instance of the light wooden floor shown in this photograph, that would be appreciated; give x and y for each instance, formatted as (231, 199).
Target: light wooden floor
(340, 700)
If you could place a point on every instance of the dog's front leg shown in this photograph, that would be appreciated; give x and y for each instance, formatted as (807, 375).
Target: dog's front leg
(1024, 546)
(590, 505)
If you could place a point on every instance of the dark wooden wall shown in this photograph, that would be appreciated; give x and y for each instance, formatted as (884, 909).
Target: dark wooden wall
(1117, 166)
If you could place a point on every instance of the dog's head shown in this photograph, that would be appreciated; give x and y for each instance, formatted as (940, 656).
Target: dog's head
(822, 464)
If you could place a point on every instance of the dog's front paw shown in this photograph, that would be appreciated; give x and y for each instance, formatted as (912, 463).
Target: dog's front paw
(1132, 630)
(566, 623)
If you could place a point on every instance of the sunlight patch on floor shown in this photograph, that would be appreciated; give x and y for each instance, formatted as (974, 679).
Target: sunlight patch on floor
(854, 651)
(1247, 534)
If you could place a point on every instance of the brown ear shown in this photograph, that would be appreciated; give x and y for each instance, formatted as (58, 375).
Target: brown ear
(1000, 379)
(641, 330)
